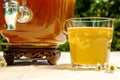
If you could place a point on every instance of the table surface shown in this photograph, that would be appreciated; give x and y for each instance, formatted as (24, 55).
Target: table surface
(41, 70)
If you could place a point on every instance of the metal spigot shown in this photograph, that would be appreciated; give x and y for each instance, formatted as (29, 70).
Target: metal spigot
(11, 12)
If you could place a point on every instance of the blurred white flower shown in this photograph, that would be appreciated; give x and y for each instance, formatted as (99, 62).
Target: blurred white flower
(105, 0)
(97, 1)
(112, 2)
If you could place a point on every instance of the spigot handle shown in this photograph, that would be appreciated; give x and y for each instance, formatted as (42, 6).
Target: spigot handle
(25, 14)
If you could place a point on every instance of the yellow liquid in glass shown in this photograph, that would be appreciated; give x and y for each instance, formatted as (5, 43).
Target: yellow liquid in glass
(89, 45)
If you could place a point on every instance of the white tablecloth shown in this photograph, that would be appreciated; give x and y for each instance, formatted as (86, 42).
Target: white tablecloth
(26, 70)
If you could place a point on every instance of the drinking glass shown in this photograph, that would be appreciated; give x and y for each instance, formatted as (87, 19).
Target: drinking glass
(90, 40)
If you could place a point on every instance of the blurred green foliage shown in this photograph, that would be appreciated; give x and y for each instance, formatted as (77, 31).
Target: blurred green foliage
(101, 8)
(2, 47)
(64, 47)
(116, 37)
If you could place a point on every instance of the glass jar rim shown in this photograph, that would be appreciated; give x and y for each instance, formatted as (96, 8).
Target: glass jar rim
(91, 19)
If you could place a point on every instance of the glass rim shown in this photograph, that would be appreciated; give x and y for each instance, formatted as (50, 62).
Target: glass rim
(100, 19)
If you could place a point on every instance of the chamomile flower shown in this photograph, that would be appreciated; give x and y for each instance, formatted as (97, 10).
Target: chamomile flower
(1, 58)
(111, 68)
(3, 64)
(106, 66)
(99, 67)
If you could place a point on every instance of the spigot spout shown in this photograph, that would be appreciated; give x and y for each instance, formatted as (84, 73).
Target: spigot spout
(10, 13)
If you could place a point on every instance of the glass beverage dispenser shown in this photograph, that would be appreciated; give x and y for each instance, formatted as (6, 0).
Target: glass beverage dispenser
(34, 28)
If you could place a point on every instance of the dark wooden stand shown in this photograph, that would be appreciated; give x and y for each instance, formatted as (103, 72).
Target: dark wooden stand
(33, 53)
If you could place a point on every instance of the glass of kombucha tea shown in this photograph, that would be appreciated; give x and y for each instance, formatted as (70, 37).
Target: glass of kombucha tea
(90, 40)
